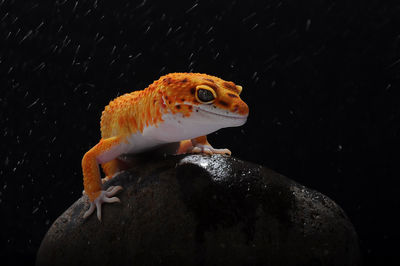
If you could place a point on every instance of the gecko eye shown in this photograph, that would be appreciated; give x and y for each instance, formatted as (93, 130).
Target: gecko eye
(205, 94)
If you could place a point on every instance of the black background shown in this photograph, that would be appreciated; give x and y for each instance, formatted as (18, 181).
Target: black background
(320, 78)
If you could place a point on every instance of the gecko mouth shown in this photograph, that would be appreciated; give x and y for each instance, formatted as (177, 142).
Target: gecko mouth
(235, 117)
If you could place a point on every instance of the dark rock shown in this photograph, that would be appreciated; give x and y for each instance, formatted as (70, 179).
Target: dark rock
(204, 210)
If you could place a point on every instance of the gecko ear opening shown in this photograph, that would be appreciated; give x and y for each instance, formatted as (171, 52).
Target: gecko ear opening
(239, 88)
(205, 94)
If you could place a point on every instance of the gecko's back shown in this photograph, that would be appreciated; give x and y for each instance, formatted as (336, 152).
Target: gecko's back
(129, 113)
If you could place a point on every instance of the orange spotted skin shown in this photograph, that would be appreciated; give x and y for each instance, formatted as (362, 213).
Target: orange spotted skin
(132, 113)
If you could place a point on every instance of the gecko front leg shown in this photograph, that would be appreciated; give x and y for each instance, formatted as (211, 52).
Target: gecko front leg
(104, 151)
(201, 145)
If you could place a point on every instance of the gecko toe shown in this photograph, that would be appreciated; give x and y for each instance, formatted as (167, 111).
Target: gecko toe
(196, 150)
(98, 205)
(221, 151)
(89, 211)
(207, 151)
(111, 200)
(111, 191)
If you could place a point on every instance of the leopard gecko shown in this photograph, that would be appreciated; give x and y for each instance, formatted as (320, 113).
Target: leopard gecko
(177, 108)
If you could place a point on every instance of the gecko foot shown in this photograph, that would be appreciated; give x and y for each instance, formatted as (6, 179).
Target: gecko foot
(208, 149)
(104, 197)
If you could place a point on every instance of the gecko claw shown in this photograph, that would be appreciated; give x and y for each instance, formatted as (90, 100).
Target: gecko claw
(104, 197)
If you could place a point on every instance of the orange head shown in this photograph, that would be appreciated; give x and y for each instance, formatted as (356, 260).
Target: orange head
(203, 97)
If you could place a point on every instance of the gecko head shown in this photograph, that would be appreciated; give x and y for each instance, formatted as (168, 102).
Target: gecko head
(204, 99)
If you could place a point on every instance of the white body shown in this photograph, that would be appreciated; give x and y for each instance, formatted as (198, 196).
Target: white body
(175, 127)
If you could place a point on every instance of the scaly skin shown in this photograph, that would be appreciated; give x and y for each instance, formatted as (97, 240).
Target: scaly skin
(170, 110)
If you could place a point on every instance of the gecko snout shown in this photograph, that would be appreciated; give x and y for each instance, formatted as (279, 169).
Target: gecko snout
(240, 107)
(235, 104)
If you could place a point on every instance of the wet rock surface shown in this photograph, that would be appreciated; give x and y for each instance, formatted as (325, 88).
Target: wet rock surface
(204, 210)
